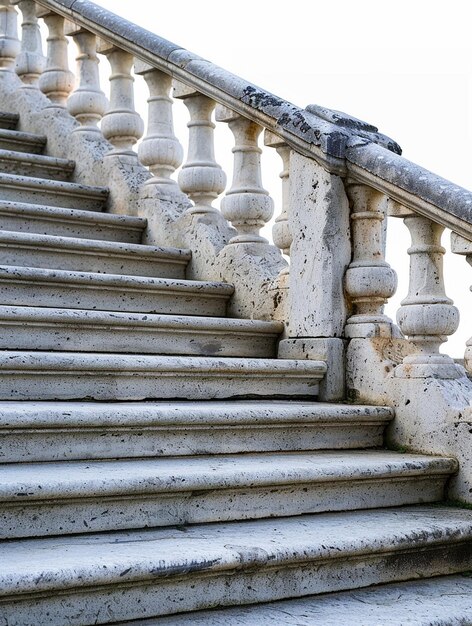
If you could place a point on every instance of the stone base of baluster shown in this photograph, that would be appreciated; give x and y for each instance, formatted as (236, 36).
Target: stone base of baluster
(429, 366)
(468, 356)
(370, 326)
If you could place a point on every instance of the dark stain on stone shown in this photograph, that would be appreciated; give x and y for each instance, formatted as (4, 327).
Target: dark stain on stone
(260, 99)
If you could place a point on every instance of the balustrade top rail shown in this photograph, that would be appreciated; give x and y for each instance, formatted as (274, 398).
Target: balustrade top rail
(342, 144)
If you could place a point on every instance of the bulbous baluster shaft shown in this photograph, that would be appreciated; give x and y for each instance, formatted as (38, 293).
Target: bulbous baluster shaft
(201, 178)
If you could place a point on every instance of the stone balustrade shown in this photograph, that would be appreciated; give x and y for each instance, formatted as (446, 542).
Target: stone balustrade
(335, 186)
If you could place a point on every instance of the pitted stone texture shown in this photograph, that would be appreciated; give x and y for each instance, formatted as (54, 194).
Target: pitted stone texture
(86, 255)
(69, 375)
(62, 222)
(39, 165)
(22, 142)
(109, 292)
(130, 575)
(53, 431)
(53, 193)
(8, 120)
(320, 252)
(40, 328)
(69, 497)
(444, 601)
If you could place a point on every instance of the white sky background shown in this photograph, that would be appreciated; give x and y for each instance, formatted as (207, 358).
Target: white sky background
(405, 66)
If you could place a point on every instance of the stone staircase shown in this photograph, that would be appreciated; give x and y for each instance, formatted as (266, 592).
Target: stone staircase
(156, 458)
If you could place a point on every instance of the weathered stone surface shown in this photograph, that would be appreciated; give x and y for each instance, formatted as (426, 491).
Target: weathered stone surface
(85, 255)
(443, 600)
(331, 351)
(23, 286)
(39, 165)
(62, 222)
(68, 375)
(41, 328)
(121, 575)
(413, 186)
(70, 497)
(52, 431)
(53, 193)
(320, 252)
(8, 120)
(28, 143)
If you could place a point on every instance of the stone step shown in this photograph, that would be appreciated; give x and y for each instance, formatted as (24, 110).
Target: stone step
(8, 120)
(446, 600)
(52, 192)
(90, 255)
(37, 328)
(56, 431)
(63, 222)
(69, 375)
(94, 579)
(24, 286)
(21, 142)
(24, 164)
(39, 499)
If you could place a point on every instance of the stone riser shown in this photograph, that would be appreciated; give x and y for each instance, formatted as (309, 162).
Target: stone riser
(52, 193)
(60, 222)
(22, 164)
(68, 444)
(443, 600)
(100, 257)
(127, 511)
(51, 431)
(67, 376)
(8, 120)
(21, 142)
(124, 602)
(54, 288)
(32, 328)
(143, 580)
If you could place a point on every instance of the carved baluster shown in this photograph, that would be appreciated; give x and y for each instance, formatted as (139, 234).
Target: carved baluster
(30, 63)
(247, 205)
(460, 245)
(10, 45)
(369, 280)
(88, 102)
(160, 150)
(281, 229)
(426, 316)
(201, 178)
(121, 124)
(57, 81)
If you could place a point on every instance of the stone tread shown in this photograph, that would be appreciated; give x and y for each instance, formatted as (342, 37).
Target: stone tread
(40, 375)
(124, 414)
(21, 141)
(44, 499)
(24, 164)
(442, 601)
(91, 255)
(47, 220)
(55, 431)
(42, 328)
(90, 290)
(52, 192)
(42, 481)
(57, 564)
(59, 187)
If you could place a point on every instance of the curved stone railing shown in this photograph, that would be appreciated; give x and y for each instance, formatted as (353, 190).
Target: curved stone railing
(340, 179)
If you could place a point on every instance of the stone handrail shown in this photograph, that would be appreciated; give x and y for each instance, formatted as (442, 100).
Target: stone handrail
(340, 180)
(342, 144)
